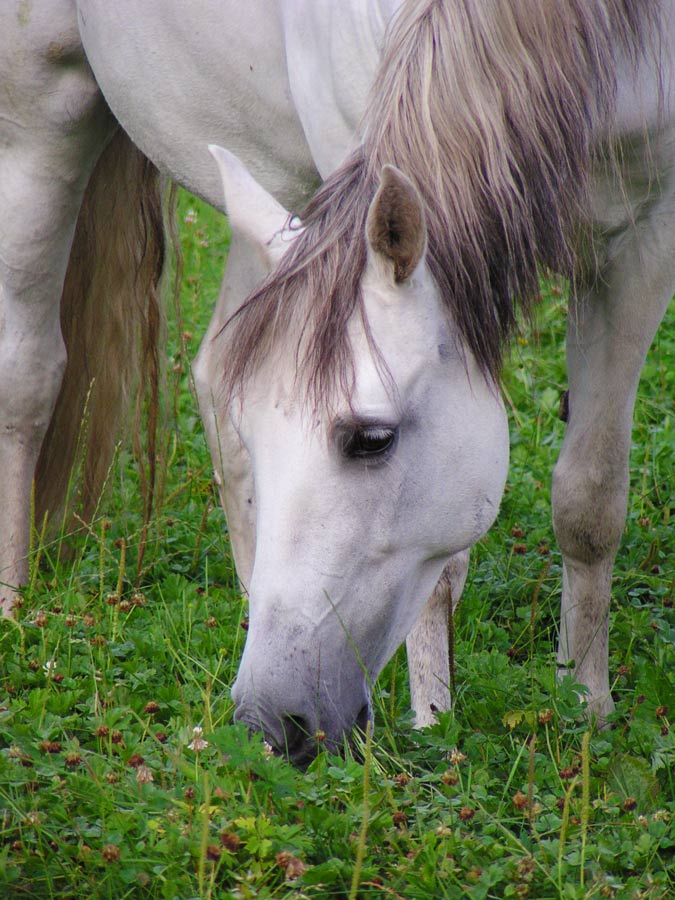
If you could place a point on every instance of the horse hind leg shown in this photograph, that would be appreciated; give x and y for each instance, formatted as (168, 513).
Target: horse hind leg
(612, 322)
(49, 143)
(35, 239)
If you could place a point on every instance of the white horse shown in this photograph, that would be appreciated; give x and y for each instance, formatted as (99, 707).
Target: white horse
(357, 432)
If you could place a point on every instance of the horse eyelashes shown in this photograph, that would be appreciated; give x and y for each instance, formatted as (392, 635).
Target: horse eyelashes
(367, 443)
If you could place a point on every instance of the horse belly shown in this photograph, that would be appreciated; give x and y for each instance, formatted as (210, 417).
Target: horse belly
(177, 81)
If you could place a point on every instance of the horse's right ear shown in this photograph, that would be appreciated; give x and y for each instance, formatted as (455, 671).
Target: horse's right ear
(252, 212)
(395, 227)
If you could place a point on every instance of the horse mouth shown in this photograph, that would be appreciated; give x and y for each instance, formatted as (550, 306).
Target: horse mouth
(294, 739)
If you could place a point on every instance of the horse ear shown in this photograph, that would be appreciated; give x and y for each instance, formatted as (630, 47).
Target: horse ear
(252, 212)
(395, 226)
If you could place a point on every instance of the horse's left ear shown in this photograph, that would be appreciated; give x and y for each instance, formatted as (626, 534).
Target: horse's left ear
(395, 226)
(252, 212)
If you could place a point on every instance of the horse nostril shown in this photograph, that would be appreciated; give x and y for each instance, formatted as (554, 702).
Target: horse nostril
(364, 716)
(296, 732)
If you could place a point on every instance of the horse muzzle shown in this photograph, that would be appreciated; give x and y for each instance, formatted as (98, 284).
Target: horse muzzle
(299, 723)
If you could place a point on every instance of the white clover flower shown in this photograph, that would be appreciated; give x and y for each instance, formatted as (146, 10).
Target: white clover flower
(144, 775)
(198, 743)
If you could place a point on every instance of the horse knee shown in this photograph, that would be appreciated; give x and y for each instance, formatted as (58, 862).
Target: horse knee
(589, 510)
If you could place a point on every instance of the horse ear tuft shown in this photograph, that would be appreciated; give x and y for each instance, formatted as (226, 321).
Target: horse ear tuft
(396, 227)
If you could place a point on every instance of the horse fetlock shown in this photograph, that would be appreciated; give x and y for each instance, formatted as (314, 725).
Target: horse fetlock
(583, 646)
(599, 707)
(10, 596)
(597, 697)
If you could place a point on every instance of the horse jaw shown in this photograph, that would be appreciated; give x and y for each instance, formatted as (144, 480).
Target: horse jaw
(258, 240)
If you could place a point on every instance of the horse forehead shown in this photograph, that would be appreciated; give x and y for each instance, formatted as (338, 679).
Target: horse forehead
(394, 341)
(405, 322)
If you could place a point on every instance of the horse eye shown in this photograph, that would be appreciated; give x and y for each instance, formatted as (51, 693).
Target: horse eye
(367, 442)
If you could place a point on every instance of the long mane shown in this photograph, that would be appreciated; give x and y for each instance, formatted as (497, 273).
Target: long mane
(494, 109)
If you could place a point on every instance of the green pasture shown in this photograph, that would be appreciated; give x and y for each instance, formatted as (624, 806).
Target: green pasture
(121, 775)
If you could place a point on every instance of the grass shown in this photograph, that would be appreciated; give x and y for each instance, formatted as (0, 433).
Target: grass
(121, 775)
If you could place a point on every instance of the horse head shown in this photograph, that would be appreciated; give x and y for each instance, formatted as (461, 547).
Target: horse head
(346, 514)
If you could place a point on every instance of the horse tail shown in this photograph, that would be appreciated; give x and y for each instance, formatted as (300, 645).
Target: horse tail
(112, 325)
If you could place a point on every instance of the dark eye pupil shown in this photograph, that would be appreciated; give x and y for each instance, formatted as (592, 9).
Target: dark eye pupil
(367, 442)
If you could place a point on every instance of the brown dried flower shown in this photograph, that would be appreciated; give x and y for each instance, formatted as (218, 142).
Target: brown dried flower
(230, 841)
(400, 819)
(292, 866)
(520, 800)
(110, 853)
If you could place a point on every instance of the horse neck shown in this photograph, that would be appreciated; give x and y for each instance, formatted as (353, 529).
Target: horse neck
(493, 111)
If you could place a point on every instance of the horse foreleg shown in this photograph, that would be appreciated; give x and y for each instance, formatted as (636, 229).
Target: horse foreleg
(427, 645)
(612, 322)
